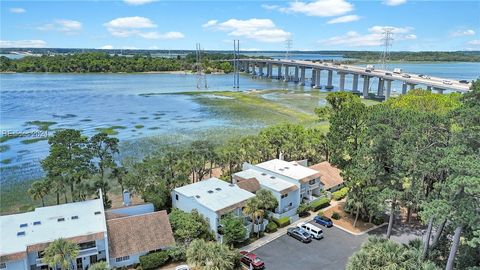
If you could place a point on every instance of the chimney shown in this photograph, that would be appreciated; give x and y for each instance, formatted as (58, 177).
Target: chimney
(280, 156)
(126, 198)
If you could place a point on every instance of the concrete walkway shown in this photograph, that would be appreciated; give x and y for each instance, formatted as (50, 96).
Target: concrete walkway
(269, 237)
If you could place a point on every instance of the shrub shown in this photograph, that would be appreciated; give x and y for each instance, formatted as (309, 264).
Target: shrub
(336, 215)
(340, 194)
(271, 227)
(177, 253)
(303, 209)
(154, 260)
(282, 222)
(319, 204)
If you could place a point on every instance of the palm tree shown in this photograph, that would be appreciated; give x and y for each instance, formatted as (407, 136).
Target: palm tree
(211, 255)
(253, 209)
(61, 253)
(38, 190)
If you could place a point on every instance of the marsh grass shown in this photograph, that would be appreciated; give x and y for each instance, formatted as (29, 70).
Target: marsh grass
(30, 141)
(4, 148)
(42, 125)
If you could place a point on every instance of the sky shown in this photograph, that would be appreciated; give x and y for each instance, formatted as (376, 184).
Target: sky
(259, 25)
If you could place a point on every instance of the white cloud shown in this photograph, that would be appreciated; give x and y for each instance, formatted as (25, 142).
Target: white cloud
(62, 25)
(137, 2)
(263, 30)
(130, 22)
(464, 32)
(344, 19)
(17, 10)
(209, 23)
(394, 2)
(34, 43)
(373, 38)
(135, 26)
(475, 42)
(106, 47)
(270, 7)
(321, 8)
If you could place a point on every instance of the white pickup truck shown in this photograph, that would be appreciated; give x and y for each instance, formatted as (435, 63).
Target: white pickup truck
(397, 70)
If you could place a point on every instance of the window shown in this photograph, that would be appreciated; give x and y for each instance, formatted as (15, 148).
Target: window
(176, 197)
(284, 195)
(86, 245)
(97, 213)
(124, 258)
(74, 217)
(312, 182)
(61, 219)
(23, 225)
(3, 265)
(36, 223)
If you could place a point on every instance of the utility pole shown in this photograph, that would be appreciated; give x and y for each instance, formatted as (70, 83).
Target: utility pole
(288, 45)
(387, 43)
(201, 77)
(236, 63)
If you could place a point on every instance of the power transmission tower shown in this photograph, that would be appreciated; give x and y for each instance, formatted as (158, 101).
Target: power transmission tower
(288, 45)
(236, 64)
(201, 77)
(387, 43)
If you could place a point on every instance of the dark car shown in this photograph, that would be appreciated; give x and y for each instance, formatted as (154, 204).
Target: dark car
(299, 234)
(325, 221)
(463, 81)
(249, 258)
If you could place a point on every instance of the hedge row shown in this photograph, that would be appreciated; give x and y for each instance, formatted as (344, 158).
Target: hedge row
(340, 194)
(282, 222)
(319, 204)
(154, 260)
(271, 227)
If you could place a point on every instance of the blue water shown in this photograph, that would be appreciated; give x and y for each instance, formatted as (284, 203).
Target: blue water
(91, 101)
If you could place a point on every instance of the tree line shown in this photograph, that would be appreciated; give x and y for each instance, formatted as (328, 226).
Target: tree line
(417, 152)
(460, 56)
(103, 62)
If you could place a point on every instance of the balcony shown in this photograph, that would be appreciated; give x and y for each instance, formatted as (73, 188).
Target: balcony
(88, 252)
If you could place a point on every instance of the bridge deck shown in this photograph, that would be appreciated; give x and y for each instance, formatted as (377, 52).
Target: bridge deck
(435, 82)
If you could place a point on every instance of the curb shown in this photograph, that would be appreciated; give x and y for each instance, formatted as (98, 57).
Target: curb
(360, 233)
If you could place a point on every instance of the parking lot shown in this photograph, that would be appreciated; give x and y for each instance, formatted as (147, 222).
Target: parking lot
(331, 252)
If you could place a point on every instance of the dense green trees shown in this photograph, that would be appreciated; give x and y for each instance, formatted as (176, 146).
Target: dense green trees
(461, 56)
(76, 164)
(103, 62)
(420, 152)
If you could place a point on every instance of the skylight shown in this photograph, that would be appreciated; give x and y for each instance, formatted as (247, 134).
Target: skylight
(37, 223)
(74, 217)
(23, 225)
(218, 189)
(61, 219)
(97, 213)
(22, 233)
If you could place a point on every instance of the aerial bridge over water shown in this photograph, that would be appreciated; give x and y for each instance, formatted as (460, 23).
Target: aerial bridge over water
(280, 69)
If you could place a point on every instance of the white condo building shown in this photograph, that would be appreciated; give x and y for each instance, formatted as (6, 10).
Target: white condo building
(118, 236)
(290, 182)
(212, 198)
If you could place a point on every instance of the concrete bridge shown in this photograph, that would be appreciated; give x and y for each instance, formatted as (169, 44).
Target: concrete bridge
(280, 70)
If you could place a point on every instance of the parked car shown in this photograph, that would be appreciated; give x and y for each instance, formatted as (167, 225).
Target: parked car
(249, 258)
(322, 220)
(447, 82)
(182, 267)
(299, 234)
(406, 76)
(463, 81)
(311, 229)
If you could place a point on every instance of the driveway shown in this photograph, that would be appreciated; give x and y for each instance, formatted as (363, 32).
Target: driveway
(331, 252)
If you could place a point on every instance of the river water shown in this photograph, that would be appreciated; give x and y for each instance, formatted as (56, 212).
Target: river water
(91, 101)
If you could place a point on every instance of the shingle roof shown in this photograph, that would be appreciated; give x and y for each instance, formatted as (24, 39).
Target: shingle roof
(140, 233)
(250, 184)
(330, 175)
